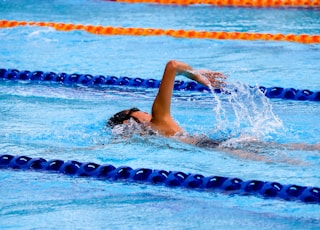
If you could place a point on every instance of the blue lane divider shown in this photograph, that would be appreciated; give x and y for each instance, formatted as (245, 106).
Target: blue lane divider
(199, 182)
(100, 80)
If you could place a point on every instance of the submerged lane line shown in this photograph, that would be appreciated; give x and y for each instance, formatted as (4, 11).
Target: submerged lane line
(101, 81)
(226, 185)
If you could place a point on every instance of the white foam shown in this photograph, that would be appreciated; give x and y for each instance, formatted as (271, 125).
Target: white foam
(243, 112)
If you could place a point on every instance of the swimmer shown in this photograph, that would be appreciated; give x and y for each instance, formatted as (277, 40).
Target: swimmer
(161, 122)
(160, 119)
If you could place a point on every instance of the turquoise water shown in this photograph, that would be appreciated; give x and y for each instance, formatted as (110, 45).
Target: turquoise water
(57, 122)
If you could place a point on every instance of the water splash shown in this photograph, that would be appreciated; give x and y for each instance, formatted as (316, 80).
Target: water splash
(131, 128)
(243, 112)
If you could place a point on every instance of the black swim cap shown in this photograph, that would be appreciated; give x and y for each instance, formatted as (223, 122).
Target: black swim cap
(120, 117)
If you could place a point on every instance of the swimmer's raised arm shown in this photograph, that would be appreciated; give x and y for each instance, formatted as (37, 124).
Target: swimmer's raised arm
(161, 117)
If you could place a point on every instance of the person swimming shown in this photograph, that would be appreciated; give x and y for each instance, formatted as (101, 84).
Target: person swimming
(160, 122)
(160, 119)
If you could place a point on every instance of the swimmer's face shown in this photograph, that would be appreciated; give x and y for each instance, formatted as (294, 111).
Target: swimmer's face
(124, 116)
(139, 117)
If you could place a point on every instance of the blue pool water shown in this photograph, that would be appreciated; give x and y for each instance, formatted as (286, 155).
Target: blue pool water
(57, 122)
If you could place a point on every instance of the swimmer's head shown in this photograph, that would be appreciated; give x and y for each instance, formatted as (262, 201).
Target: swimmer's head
(121, 117)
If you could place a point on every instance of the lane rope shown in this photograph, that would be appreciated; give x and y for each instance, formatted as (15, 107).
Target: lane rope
(101, 81)
(234, 3)
(265, 189)
(177, 33)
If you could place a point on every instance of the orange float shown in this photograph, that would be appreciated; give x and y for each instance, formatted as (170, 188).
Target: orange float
(211, 35)
(290, 37)
(99, 30)
(180, 33)
(201, 34)
(234, 35)
(169, 32)
(158, 32)
(234, 3)
(278, 37)
(257, 36)
(108, 30)
(10, 23)
(315, 39)
(316, 3)
(41, 24)
(303, 38)
(223, 35)
(246, 36)
(191, 34)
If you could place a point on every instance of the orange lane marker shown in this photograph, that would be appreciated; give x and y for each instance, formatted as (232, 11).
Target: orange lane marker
(180, 33)
(234, 3)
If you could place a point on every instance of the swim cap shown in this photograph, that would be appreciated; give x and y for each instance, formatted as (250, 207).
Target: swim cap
(120, 117)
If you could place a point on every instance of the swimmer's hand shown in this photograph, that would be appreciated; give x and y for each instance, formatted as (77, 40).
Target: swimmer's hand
(208, 78)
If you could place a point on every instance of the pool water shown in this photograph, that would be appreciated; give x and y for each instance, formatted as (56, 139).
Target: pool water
(58, 122)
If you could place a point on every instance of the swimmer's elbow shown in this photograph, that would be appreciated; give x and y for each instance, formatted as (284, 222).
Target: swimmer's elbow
(177, 66)
(172, 65)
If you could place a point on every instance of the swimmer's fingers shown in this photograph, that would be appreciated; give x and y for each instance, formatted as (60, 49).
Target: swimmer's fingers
(218, 84)
(215, 79)
(211, 74)
(218, 75)
(209, 78)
